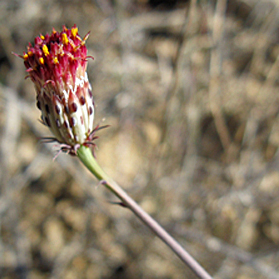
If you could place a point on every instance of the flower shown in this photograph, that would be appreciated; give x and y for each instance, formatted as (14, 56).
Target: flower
(57, 66)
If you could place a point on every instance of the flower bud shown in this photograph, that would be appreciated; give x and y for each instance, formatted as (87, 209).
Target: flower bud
(56, 64)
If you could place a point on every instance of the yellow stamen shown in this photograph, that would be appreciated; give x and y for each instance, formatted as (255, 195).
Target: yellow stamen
(84, 39)
(42, 37)
(25, 56)
(45, 50)
(41, 60)
(65, 39)
(55, 60)
(30, 53)
(74, 31)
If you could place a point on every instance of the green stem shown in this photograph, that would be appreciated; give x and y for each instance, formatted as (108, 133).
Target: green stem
(85, 155)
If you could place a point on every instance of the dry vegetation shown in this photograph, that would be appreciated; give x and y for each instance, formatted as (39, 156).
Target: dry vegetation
(191, 93)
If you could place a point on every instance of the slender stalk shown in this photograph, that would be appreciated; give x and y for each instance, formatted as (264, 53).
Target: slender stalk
(89, 161)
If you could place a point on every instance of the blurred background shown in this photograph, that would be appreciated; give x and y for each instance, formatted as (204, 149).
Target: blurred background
(190, 89)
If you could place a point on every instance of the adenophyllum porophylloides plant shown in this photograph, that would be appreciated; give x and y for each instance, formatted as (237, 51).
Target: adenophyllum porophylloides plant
(56, 63)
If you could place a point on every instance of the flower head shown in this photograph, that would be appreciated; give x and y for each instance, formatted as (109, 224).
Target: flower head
(56, 64)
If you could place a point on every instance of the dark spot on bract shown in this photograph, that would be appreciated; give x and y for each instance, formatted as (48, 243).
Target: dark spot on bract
(58, 123)
(57, 109)
(73, 121)
(74, 107)
(90, 111)
(90, 93)
(39, 105)
(47, 108)
(82, 100)
(47, 121)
